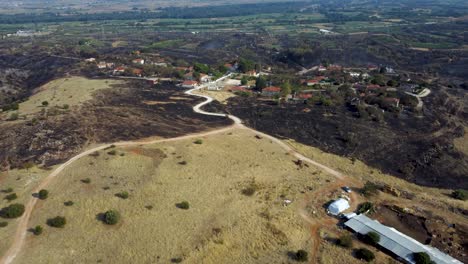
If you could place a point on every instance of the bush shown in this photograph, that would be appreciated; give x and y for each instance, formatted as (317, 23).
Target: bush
(58, 221)
(345, 241)
(422, 258)
(10, 197)
(198, 141)
(370, 189)
(183, 205)
(45, 103)
(301, 255)
(43, 194)
(365, 254)
(364, 207)
(8, 190)
(372, 238)
(460, 194)
(3, 224)
(12, 211)
(123, 195)
(111, 217)
(68, 203)
(112, 152)
(249, 191)
(87, 180)
(13, 117)
(37, 230)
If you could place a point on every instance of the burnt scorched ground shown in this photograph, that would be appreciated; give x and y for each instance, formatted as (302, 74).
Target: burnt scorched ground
(20, 74)
(127, 112)
(438, 232)
(407, 147)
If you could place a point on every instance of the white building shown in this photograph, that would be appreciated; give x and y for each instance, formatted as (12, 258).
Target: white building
(338, 206)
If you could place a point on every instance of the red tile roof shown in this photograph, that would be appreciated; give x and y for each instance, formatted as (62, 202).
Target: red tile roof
(271, 89)
(189, 83)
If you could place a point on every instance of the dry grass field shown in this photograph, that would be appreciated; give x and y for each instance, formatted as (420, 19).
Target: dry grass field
(22, 182)
(72, 91)
(223, 225)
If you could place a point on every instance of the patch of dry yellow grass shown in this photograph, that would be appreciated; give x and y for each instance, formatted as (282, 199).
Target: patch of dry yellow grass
(22, 182)
(221, 226)
(72, 91)
(220, 96)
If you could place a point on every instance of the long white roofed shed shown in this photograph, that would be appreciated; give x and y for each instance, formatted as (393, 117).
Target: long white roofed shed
(396, 242)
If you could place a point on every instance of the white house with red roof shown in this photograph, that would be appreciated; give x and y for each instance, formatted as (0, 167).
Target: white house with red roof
(271, 91)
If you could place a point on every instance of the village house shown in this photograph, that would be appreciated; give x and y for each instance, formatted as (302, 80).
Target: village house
(138, 61)
(271, 91)
(321, 68)
(102, 65)
(354, 74)
(119, 69)
(110, 65)
(239, 89)
(205, 78)
(90, 60)
(153, 81)
(252, 73)
(315, 80)
(334, 67)
(189, 84)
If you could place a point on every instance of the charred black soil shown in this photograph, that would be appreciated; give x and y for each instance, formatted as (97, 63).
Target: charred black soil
(419, 150)
(126, 112)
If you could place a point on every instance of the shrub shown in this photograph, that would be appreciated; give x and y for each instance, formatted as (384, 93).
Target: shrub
(345, 241)
(249, 191)
(13, 117)
(45, 103)
(8, 190)
(112, 152)
(422, 258)
(370, 189)
(183, 205)
(123, 195)
(37, 230)
(58, 221)
(68, 203)
(372, 238)
(65, 106)
(87, 180)
(364, 207)
(111, 217)
(3, 224)
(365, 254)
(43, 194)
(301, 255)
(10, 197)
(460, 194)
(183, 162)
(198, 141)
(12, 211)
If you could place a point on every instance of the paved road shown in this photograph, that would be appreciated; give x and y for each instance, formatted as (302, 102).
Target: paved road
(21, 231)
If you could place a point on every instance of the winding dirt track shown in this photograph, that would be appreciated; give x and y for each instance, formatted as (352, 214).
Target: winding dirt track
(21, 231)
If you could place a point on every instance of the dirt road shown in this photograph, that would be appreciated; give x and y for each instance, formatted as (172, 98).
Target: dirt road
(21, 231)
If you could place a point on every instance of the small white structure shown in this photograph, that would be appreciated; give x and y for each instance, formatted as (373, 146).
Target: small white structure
(338, 206)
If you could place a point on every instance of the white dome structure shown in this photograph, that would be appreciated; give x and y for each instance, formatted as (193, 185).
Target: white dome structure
(338, 206)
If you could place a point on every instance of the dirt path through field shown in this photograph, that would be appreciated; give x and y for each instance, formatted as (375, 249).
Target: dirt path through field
(21, 231)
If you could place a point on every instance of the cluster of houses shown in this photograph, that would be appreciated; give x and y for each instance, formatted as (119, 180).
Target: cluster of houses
(135, 69)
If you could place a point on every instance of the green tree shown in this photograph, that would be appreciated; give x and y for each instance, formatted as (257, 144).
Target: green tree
(58, 222)
(302, 255)
(10, 197)
(244, 80)
(345, 241)
(260, 83)
(37, 230)
(422, 258)
(12, 211)
(246, 65)
(183, 205)
(111, 217)
(365, 254)
(372, 238)
(45, 103)
(285, 89)
(460, 194)
(43, 194)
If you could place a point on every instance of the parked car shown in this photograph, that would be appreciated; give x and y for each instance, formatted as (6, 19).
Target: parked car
(347, 189)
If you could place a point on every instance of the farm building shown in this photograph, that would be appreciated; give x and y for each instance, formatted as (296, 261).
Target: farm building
(189, 84)
(338, 206)
(271, 91)
(397, 243)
